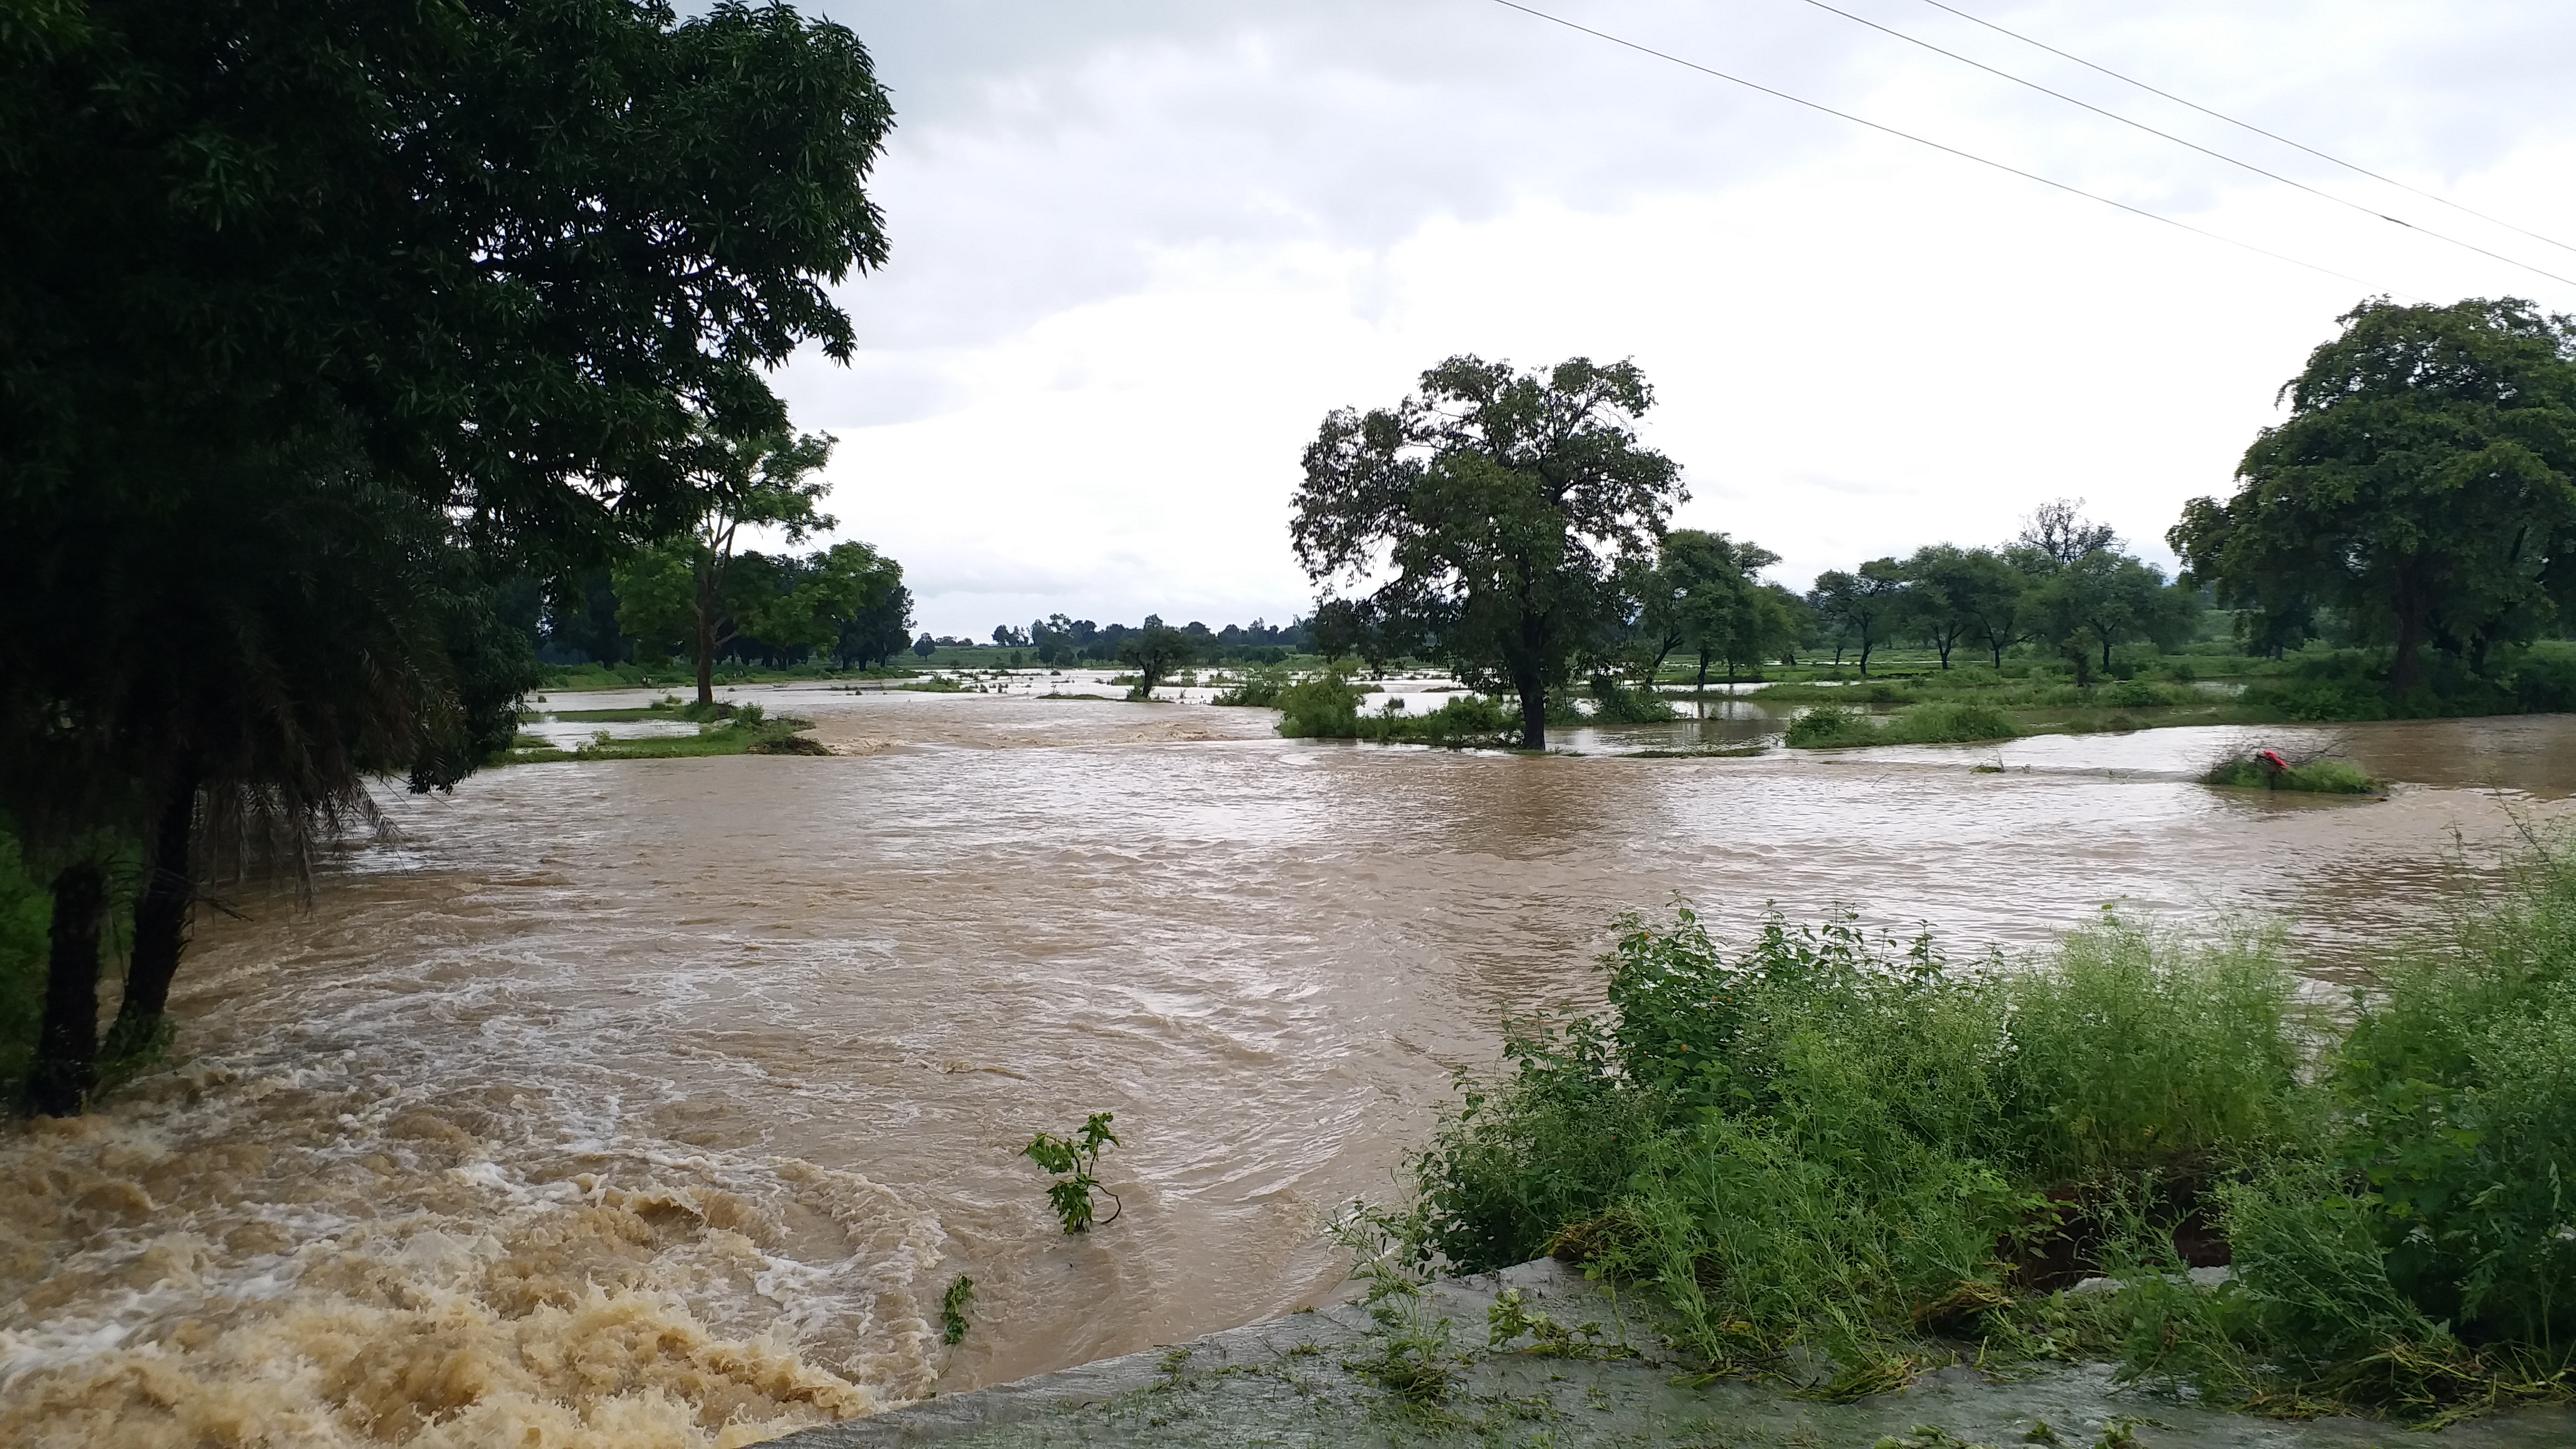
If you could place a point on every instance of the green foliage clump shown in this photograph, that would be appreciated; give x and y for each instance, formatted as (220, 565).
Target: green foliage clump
(1945, 722)
(1617, 703)
(1933, 722)
(1830, 726)
(952, 1310)
(1075, 1161)
(1823, 1138)
(1322, 708)
(1327, 707)
(2417, 1257)
(1255, 688)
(1824, 1146)
(2321, 777)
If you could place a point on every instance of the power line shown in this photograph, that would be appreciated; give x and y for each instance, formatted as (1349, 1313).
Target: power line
(2356, 169)
(1925, 141)
(2194, 145)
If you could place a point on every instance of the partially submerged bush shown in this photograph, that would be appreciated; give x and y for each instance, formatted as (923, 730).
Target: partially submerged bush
(1616, 703)
(2269, 770)
(1818, 1138)
(1326, 707)
(1830, 726)
(1832, 1143)
(1258, 688)
(1933, 722)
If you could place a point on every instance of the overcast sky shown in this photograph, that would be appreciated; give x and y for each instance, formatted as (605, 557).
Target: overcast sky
(1140, 249)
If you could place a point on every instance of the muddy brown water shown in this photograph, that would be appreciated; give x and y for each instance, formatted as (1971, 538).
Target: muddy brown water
(657, 1102)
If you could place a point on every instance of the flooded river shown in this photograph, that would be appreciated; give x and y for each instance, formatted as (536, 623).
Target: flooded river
(657, 1102)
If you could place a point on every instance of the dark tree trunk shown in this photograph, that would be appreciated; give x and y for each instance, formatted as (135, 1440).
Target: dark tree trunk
(2406, 669)
(1533, 694)
(1865, 647)
(161, 918)
(1703, 672)
(706, 650)
(67, 1045)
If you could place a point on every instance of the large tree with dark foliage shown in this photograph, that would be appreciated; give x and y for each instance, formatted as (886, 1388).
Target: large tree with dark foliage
(2424, 484)
(1499, 510)
(338, 311)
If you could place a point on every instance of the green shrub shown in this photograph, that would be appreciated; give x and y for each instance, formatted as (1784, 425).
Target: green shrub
(1617, 703)
(1830, 726)
(1823, 1137)
(1257, 688)
(1933, 722)
(2320, 777)
(2134, 694)
(1327, 707)
(1324, 707)
(1834, 1142)
(1943, 722)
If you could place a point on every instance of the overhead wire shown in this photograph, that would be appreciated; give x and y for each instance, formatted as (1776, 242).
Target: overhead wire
(1927, 141)
(2190, 144)
(2354, 167)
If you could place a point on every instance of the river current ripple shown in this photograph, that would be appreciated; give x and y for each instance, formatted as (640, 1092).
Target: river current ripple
(657, 1102)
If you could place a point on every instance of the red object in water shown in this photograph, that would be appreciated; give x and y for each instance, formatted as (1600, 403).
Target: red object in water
(2272, 758)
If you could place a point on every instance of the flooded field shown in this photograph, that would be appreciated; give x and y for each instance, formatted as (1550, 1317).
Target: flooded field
(656, 1102)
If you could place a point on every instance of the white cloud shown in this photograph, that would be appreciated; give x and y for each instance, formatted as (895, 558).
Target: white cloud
(1140, 250)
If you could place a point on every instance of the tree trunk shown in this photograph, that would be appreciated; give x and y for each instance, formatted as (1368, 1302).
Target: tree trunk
(1864, 656)
(1533, 694)
(1703, 672)
(706, 641)
(161, 917)
(67, 1045)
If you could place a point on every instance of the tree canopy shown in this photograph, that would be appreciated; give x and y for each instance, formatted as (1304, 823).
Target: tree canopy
(319, 321)
(2424, 484)
(1495, 510)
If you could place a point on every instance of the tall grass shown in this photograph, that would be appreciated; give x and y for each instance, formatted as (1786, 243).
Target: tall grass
(1821, 1147)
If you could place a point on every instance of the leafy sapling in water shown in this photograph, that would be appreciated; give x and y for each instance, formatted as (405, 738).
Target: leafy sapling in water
(952, 1310)
(1074, 1160)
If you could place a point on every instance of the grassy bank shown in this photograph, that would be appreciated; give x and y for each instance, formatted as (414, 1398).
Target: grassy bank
(1832, 1158)
(2149, 691)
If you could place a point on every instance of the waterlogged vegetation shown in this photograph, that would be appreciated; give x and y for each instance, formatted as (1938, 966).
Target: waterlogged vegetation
(2314, 775)
(1075, 1163)
(1834, 1159)
(1939, 722)
(723, 729)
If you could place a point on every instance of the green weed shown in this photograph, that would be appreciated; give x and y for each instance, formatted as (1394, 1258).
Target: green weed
(1075, 1161)
(952, 1309)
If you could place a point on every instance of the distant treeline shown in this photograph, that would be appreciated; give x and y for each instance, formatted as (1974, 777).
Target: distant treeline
(1057, 639)
(847, 604)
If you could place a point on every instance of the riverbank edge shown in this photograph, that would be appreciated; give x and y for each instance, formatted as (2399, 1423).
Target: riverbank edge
(1293, 1381)
(1336, 1326)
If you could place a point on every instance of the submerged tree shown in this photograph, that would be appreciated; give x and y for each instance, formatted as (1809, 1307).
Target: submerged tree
(2424, 484)
(1497, 507)
(1156, 650)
